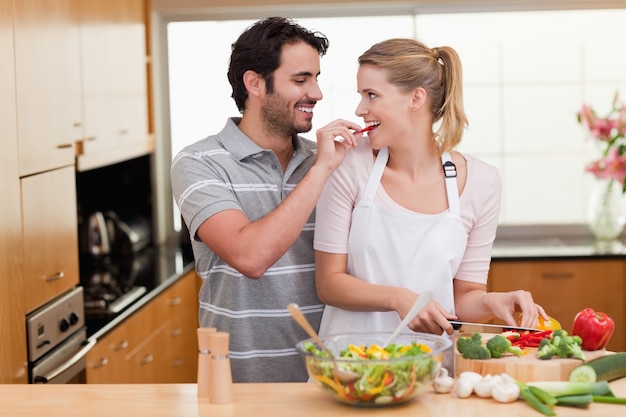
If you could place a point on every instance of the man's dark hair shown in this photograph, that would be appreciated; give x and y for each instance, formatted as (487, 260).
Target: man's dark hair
(259, 47)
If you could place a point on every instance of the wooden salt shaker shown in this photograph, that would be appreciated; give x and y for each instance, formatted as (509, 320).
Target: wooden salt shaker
(221, 390)
(204, 361)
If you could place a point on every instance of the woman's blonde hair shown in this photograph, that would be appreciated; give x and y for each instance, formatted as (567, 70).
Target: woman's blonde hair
(410, 64)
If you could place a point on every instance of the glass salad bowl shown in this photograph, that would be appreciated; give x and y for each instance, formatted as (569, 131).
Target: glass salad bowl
(382, 377)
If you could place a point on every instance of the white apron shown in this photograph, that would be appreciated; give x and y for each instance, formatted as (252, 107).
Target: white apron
(400, 248)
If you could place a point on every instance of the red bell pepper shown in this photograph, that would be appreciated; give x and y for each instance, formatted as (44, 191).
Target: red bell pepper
(594, 328)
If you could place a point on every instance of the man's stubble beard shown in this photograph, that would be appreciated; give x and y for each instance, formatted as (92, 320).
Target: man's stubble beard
(278, 117)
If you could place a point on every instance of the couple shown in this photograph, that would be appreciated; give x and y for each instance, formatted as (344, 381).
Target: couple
(398, 211)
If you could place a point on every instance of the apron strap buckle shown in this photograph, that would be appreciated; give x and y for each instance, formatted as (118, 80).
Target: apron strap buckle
(449, 169)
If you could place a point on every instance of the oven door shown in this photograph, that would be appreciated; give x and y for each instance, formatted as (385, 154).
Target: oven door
(66, 364)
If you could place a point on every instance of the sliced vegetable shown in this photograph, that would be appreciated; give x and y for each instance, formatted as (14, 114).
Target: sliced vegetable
(607, 367)
(594, 328)
(583, 373)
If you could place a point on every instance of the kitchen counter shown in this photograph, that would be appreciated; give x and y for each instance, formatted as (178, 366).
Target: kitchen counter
(258, 400)
(546, 242)
(164, 265)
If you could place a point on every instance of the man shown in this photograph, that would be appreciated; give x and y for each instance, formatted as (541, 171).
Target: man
(248, 196)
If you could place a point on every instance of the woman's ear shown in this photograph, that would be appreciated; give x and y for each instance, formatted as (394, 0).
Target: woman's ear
(418, 98)
(255, 84)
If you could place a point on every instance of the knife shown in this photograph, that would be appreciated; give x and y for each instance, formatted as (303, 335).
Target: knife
(489, 328)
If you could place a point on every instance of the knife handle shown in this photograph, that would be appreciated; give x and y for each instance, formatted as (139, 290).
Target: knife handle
(455, 324)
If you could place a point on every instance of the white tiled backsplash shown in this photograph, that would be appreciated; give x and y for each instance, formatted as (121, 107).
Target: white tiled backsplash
(526, 74)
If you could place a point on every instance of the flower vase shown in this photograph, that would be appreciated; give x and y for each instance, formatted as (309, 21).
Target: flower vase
(606, 210)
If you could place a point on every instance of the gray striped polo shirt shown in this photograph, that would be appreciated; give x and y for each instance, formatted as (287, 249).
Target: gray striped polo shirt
(229, 171)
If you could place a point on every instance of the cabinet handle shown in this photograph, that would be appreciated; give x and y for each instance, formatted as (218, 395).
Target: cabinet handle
(64, 145)
(123, 131)
(557, 275)
(175, 301)
(55, 277)
(147, 359)
(77, 124)
(177, 362)
(101, 363)
(177, 331)
(122, 345)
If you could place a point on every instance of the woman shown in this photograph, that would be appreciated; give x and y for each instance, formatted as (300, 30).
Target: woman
(405, 212)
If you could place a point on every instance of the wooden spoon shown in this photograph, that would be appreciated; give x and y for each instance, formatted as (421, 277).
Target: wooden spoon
(342, 375)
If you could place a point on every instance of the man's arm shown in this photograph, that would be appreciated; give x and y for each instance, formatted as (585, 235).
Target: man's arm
(252, 247)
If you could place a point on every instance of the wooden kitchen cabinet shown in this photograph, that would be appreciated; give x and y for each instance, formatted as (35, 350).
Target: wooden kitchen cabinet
(50, 235)
(115, 86)
(48, 83)
(564, 287)
(157, 344)
(12, 311)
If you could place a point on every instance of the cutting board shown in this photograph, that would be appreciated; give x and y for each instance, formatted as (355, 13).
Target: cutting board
(524, 368)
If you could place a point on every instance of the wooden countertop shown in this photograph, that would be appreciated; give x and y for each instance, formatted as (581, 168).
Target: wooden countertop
(258, 400)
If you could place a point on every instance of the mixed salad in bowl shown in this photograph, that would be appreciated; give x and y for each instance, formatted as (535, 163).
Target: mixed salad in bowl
(384, 376)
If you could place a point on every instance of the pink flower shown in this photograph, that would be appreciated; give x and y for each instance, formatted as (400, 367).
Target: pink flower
(612, 131)
(613, 166)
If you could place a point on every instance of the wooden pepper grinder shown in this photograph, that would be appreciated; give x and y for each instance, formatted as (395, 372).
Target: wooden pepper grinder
(204, 361)
(221, 390)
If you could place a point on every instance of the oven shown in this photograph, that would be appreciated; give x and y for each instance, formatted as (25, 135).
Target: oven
(57, 340)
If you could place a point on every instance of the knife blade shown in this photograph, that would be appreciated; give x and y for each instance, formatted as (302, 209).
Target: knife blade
(489, 328)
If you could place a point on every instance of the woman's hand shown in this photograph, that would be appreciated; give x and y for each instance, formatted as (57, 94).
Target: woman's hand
(505, 304)
(432, 319)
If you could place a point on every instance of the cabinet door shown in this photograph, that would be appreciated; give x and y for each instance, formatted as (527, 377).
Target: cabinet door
(157, 344)
(564, 288)
(47, 68)
(115, 82)
(50, 235)
(107, 362)
(12, 311)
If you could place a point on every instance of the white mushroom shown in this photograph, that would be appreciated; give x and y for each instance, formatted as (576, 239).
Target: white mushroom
(483, 387)
(443, 383)
(465, 384)
(506, 392)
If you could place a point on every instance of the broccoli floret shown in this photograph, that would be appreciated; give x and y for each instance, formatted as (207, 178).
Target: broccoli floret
(472, 347)
(546, 349)
(562, 345)
(473, 351)
(499, 345)
(568, 348)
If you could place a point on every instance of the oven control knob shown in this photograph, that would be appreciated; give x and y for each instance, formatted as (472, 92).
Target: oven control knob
(73, 318)
(64, 325)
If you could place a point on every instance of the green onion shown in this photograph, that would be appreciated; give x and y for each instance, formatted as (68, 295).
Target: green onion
(608, 399)
(560, 388)
(580, 400)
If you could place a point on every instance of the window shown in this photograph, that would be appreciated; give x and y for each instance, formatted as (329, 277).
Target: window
(526, 74)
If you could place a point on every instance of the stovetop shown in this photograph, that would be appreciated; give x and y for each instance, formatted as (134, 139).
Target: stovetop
(113, 285)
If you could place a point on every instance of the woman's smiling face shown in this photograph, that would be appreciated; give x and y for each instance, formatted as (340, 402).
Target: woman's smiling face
(382, 103)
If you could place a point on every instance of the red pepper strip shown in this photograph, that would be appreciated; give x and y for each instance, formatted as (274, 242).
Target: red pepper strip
(531, 339)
